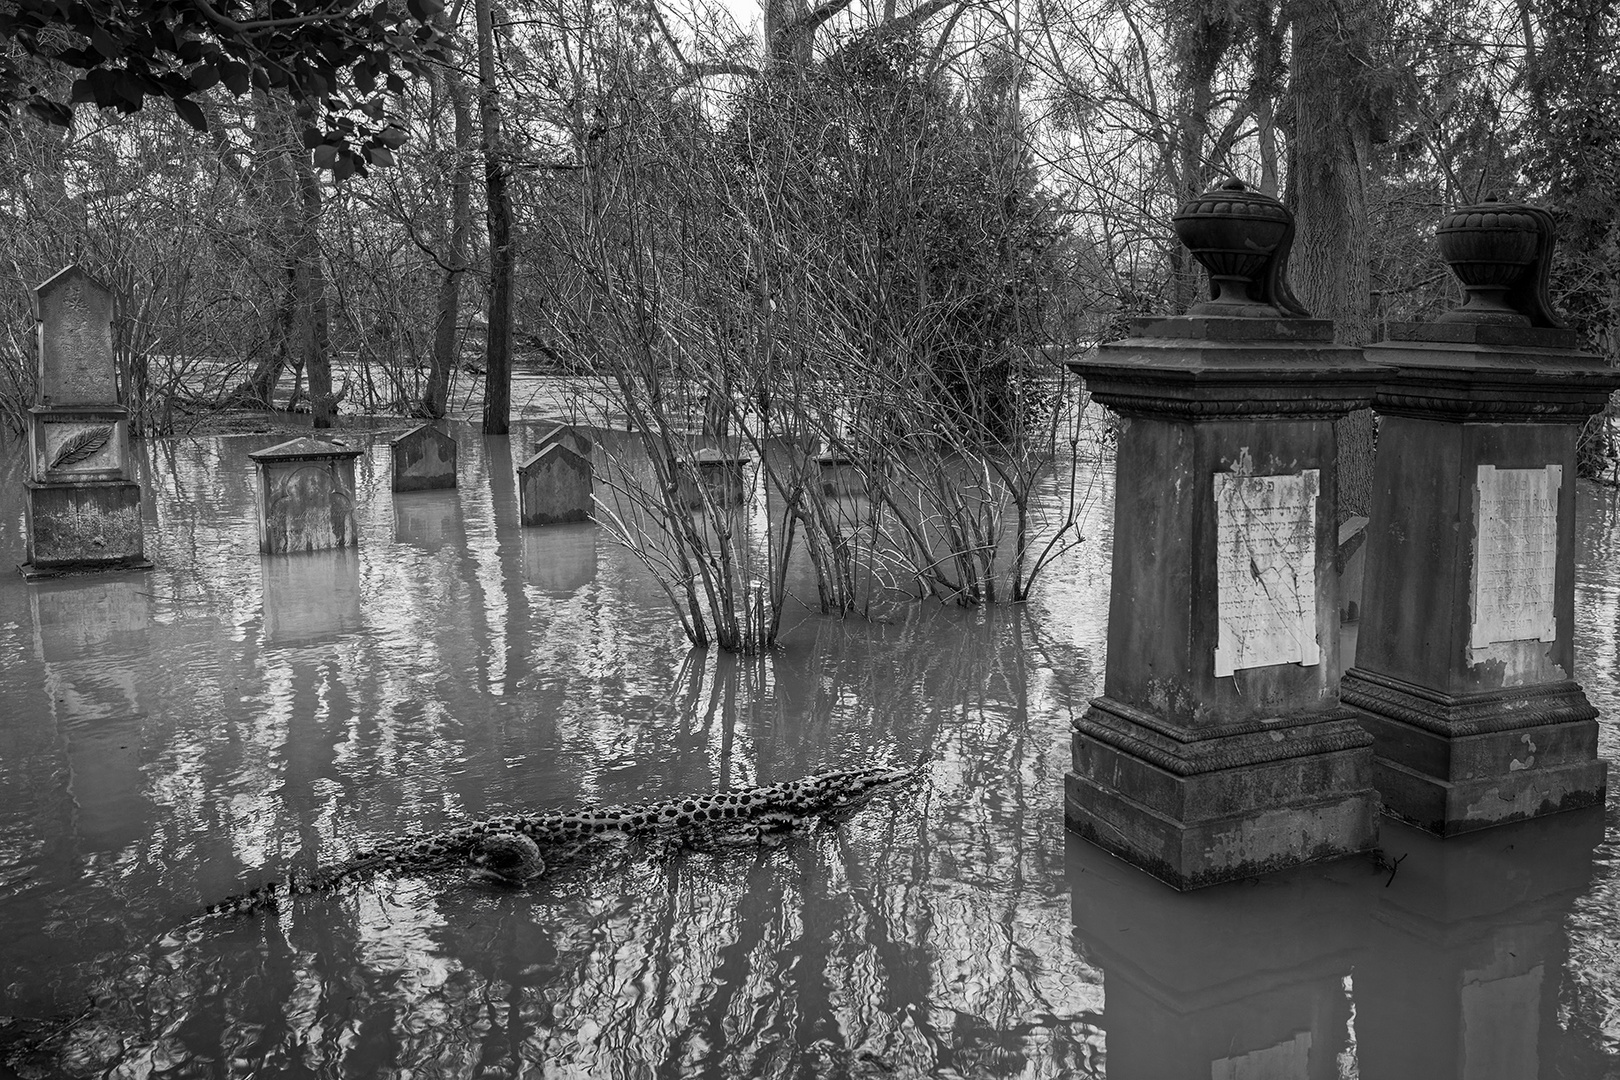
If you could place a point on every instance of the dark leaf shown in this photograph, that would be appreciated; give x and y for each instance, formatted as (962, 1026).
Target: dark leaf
(191, 113)
(379, 155)
(204, 77)
(325, 157)
(106, 44)
(235, 76)
(52, 112)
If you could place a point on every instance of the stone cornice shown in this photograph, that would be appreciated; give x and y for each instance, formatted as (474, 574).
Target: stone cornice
(1186, 753)
(1482, 713)
(1211, 379)
(1459, 382)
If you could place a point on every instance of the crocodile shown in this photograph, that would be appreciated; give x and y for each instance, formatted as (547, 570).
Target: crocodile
(511, 848)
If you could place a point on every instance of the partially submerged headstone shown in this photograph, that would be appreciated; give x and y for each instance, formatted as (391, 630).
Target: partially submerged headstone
(569, 436)
(1465, 664)
(1218, 749)
(713, 476)
(554, 485)
(306, 496)
(840, 475)
(83, 507)
(424, 460)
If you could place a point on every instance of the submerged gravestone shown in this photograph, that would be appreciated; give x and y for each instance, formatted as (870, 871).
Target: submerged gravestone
(424, 460)
(83, 507)
(1466, 660)
(715, 477)
(569, 436)
(1218, 749)
(554, 486)
(306, 496)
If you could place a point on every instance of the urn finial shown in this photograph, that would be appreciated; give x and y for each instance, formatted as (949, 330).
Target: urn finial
(1242, 238)
(1502, 254)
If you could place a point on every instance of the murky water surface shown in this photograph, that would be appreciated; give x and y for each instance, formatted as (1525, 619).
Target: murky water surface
(167, 738)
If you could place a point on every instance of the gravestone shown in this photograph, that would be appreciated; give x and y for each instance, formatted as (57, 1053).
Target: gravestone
(424, 460)
(569, 436)
(554, 485)
(840, 475)
(713, 476)
(1465, 662)
(83, 508)
(306, 496)
(1218, 749)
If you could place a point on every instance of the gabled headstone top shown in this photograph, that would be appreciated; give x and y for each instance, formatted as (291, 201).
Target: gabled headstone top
(561, 451)
(304, 449)
(76, 360)
(567, 435)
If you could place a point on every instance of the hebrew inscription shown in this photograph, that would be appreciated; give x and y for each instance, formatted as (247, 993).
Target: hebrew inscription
(1265, 570)
(1515, 554)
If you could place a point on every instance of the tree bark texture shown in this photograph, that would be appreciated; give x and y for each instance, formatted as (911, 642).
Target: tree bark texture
(1329, 147)
(498, 213)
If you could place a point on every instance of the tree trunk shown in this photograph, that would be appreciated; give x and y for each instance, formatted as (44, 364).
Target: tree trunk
(275, 134)
(315, 338)
(1328, 151)
(498, 211)
(445, 331)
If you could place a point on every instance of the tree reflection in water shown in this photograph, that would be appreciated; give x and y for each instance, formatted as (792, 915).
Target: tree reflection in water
(271, 715)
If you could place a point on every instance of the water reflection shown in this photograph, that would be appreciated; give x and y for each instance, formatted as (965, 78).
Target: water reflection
(285, 710)
(430, 520)
(310, 596)
(560, 559)
(1467, 950)
(1236, 982)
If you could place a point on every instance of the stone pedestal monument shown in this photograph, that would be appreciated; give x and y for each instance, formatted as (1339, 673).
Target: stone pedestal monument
(83, 508)
(1219, 748)
(715, 475)
(1465, 666)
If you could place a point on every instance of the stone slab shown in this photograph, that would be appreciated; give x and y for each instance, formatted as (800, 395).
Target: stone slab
(714, 478)
(306, 500)
(1515, 555)
(554, 486)
(1265, 570)
(90, 526)
(424, 459)
(77, 362)
(840, 476)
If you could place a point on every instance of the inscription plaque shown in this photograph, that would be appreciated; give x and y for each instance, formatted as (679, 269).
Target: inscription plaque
(1515, 554)
(1265, 570)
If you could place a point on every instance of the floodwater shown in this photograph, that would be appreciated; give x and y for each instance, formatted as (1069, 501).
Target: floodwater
(168, 738)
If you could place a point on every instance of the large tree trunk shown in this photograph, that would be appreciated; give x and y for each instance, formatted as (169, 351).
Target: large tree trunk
(1328, 150)
(275, 136)
(498, 210)
(316, 338)
(446, 329)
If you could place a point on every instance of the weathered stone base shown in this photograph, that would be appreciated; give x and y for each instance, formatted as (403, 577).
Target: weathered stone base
(84, 527)
(1455, 764)
(840, 476)
(1195, 810)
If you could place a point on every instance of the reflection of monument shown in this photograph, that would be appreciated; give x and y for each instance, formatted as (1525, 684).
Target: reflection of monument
(310, 596)
(84, 511)
(561, 559)
(429, 519)
(1467, 950)
(91, 634)
(1244, 981)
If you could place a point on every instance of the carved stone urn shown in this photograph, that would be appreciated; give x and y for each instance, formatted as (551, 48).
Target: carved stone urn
(1500, 252)
(1242, 238)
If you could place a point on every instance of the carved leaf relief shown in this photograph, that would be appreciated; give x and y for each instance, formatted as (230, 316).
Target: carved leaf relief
(80, 446)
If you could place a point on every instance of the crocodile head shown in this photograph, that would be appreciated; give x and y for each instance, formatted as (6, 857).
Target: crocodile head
(507, 857)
